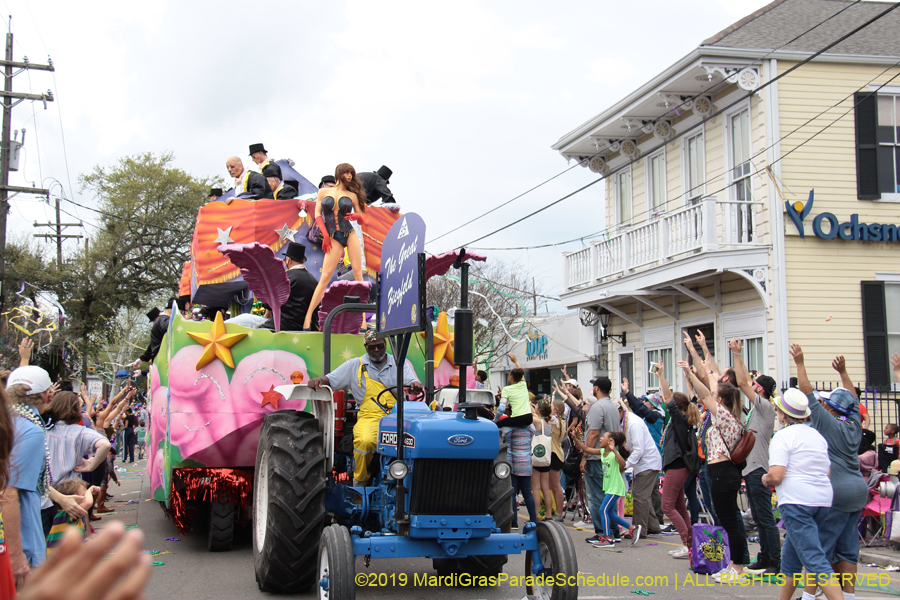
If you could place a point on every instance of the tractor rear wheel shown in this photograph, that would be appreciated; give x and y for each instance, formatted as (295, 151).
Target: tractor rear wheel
(221, 527)
(559, 559)
(288, 502)
(500, 506)
(337, 565)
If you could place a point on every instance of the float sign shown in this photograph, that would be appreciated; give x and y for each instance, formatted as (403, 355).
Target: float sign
(401, 289)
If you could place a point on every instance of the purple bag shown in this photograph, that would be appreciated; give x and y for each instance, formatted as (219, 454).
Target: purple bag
(710, 552)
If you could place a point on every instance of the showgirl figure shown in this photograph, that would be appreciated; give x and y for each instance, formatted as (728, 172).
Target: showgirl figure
(335, 208)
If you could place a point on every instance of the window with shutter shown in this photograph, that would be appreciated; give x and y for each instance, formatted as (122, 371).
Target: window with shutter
(866, 120)
(875, 335)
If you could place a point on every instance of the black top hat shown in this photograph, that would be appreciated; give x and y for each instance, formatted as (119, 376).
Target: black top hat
(154, 312)
(385, 173)
(327, 179)
(183, 301)
(254, 148)
(271, 170)
(296, 252)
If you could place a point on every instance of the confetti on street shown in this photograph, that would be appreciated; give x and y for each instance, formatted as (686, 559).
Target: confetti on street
(173, 539)
(157, 563)
(642, 592)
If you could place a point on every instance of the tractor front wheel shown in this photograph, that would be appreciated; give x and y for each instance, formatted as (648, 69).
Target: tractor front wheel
(558, 556)
(288, 502)
(337, 565)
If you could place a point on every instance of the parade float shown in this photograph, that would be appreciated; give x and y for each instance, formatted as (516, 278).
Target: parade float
(236, 432)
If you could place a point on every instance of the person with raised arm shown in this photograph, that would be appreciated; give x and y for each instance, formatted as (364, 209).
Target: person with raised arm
(762, 421)
(724, 406)
(700, 369)
(602, 417)
(683, 416)
(835, 415)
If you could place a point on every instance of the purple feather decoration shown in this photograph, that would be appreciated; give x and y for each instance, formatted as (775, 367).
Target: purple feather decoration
(263, 272)
(440, 264)
(345, 322)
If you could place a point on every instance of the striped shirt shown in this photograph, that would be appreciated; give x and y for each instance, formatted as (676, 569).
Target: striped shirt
(518, 451)
(62, 522)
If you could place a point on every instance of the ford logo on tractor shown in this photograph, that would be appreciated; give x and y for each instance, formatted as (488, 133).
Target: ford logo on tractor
(460, 440)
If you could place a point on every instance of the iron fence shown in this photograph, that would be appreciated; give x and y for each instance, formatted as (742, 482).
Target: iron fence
(883, 407)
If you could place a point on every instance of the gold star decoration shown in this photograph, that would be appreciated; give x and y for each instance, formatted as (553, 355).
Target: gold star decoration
(295, 340)
(271, 397)
(443, 340)
(347, 354)
(218, 343)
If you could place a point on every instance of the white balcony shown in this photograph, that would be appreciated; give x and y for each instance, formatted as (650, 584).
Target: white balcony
(706, 228)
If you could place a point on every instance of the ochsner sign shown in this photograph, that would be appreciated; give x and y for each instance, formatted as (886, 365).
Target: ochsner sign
(827, 226)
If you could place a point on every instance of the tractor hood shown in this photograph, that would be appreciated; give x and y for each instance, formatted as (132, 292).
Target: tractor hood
(429, 434)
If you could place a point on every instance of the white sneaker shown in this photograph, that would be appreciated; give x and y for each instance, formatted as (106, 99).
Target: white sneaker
(581, 524)
(730, 576)
(682, 552)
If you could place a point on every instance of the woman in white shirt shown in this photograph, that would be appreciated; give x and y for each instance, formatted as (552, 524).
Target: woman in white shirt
(798, 464)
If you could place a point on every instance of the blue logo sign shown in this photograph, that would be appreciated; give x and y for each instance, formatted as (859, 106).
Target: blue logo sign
(536, 346)
(460, 440)
(848, 230)
(401, 294)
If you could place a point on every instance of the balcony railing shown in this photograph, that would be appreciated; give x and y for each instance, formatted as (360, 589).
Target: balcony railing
(706, 226)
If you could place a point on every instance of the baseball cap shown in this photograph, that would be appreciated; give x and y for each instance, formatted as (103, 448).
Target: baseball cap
(840, 399)
(35, 378)
(767, 383)
(571, 382)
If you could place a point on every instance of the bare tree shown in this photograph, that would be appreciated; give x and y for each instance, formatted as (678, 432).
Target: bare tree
(500, 295)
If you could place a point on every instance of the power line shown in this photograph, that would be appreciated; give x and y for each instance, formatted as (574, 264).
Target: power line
(584, 237)
(674, 109)
(689, 129)
(722, 175)
(127, 220)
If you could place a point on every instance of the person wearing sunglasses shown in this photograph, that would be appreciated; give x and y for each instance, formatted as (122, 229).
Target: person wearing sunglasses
(366, 377)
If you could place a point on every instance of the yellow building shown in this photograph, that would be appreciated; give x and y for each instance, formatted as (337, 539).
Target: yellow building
(699, 164)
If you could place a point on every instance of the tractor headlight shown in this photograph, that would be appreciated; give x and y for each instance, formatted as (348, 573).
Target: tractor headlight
(502, 470)
(398, 470)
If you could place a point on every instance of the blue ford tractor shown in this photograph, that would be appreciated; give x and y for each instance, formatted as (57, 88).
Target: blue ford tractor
(440, 489)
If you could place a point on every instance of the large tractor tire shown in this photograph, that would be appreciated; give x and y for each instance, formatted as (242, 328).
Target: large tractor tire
(501, 508)
(337, 565)
(559, 558)
(220, 536)
(288, 502)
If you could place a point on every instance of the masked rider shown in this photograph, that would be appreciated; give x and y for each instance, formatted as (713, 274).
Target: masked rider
(367, 376)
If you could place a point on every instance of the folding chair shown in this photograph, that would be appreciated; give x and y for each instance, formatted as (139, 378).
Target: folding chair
(871, 517)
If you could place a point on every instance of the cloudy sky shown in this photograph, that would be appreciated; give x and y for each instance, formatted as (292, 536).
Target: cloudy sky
(462, 100)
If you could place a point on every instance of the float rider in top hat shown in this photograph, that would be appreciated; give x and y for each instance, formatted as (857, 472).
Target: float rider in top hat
(278, 189)
(367, 376)
(303, 284)
(260, 156)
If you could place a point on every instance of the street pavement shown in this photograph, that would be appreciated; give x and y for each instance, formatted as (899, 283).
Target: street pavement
(190, 572)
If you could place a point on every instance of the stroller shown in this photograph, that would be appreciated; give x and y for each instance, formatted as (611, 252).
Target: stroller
(574, 489)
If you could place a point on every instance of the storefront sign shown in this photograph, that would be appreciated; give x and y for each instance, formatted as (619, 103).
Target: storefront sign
(537, 345)
(827, 226)
(401, 295)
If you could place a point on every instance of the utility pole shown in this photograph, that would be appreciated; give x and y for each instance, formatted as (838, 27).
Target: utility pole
(59, 235)
(8, 95)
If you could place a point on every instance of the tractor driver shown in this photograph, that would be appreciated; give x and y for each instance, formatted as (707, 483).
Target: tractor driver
(367, 376)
